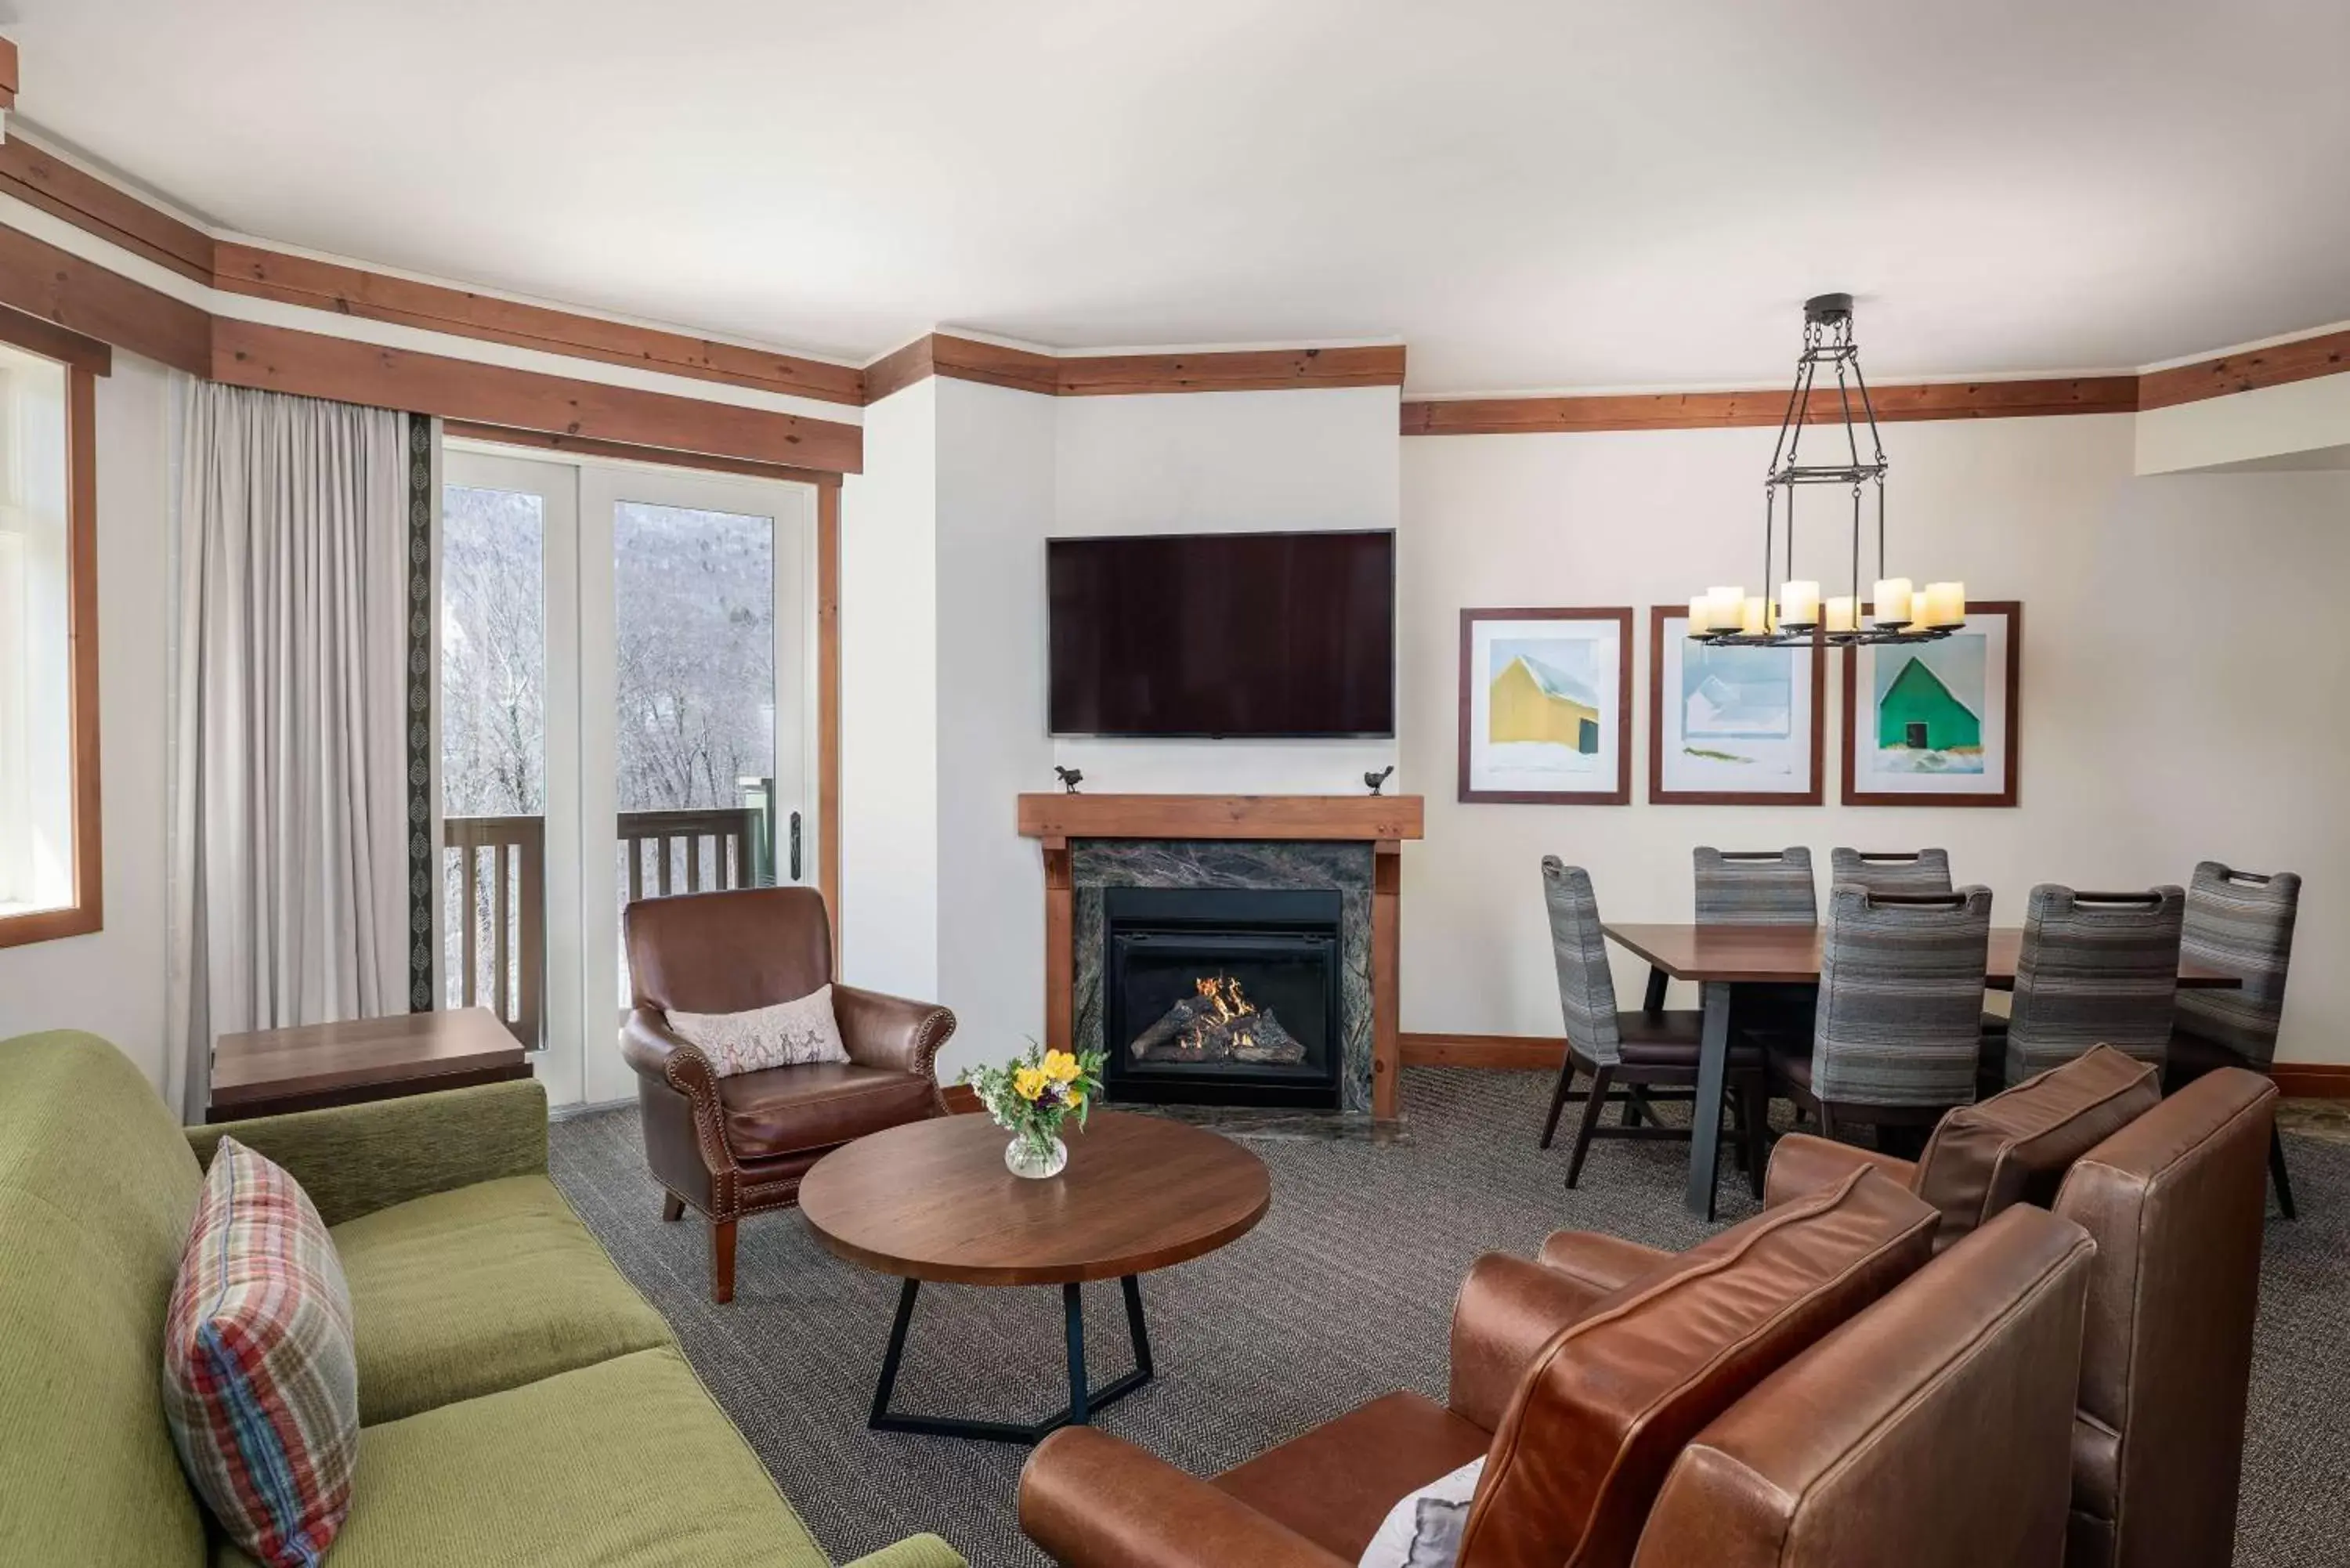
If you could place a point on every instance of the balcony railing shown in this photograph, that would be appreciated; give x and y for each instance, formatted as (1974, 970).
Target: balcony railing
(496, 867)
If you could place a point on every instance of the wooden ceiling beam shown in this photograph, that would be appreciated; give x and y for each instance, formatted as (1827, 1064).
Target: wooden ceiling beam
(1766, 407)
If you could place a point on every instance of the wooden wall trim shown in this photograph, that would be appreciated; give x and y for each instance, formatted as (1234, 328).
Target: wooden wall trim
(1127, 375)
(51, 341)
(7, 74)
(348, 290)
(1518, 1052)
(114, 215)
(2306, 359)
(2312, 1080)
(1763, 406)
(282, 359)
(56, 285)
(586, 446)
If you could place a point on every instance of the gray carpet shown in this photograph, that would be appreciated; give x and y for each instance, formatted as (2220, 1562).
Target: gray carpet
(1343, 1292)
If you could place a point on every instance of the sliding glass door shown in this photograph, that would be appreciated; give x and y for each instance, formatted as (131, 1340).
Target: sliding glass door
(627, 713)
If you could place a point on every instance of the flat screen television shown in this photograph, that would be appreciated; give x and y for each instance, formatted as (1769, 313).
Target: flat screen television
(1223, 635)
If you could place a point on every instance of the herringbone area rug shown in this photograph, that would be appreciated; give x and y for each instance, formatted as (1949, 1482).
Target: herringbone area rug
(1343, 1292)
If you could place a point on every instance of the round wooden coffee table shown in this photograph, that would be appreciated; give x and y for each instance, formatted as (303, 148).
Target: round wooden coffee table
(932, 1200)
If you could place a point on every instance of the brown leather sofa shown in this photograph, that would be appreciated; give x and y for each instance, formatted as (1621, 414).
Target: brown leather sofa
(1579, 1402)
(2176, 1203)
(737, 1146)
(2176, 1198)
(1934, 1430)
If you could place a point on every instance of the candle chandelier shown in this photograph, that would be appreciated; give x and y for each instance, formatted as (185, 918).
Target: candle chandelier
(1727, 618)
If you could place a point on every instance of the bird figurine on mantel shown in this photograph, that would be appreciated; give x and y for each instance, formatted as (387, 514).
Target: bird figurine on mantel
(1070, 777)
(1377, 781)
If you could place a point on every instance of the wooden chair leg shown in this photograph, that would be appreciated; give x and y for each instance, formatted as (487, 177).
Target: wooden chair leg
(1654, 1001)
(1633, 1102)
(1558, 1098)
(2278, 1175)
(1757, 1118)
(722, 1261)
(672, 1206)
(1590, 1123)
(1827, 1122)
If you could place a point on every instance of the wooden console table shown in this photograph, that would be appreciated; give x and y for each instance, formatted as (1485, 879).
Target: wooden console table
(273, 1071)
(1383, 822)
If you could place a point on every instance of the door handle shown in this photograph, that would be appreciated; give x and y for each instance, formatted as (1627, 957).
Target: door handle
(796, 846)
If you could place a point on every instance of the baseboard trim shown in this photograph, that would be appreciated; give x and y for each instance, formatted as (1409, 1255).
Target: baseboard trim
(1524, 1052)
(962, 1100)
(2312, 1080)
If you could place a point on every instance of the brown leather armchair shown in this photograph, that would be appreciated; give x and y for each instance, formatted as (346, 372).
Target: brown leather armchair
(1934, 1430)
(1580, 1404)
(737, 1146)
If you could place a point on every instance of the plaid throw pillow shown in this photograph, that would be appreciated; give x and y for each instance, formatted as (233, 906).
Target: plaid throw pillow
(259, 1378)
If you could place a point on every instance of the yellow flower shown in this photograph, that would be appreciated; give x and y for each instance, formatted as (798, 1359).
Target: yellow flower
(1077, 1099)
(1028, 1083)
(1060, 1066)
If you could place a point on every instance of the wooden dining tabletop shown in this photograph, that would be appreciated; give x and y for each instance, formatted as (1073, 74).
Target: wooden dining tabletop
(1764, 955)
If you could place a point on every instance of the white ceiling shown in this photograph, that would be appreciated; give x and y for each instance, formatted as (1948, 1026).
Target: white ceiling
(1619, 193)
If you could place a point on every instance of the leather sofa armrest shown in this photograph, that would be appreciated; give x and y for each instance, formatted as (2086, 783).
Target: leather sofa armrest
(659, 1053)
(685, 1126)
(890, 1032)
(1601, 1262)
(1508, 1309)
(1091, 1500)
(1802, 1164)
(355, 1160)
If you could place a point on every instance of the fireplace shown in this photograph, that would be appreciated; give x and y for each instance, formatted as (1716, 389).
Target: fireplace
(1222, 995)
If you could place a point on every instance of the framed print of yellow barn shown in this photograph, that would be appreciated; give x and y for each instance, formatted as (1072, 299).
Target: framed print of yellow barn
(1934, 723)
(1547, 706)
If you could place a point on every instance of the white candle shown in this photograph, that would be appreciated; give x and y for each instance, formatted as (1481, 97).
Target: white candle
(1755, 617)
(1728, 603)
(1799, 602)
(1840, 614)
(1946, 604)
(1892, 598)
(1700, 615)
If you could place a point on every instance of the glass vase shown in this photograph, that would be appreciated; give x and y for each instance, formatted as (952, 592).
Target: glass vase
(1036, 1158)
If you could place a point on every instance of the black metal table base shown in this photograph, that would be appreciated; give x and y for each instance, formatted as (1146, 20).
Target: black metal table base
(1083, 1401)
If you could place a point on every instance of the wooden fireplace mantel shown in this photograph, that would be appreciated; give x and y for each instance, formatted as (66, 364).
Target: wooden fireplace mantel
(1383, 822)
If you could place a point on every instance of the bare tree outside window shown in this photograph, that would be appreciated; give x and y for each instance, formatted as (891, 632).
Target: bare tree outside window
(696, 628)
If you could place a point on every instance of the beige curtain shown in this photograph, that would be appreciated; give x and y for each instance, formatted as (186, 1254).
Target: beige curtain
(288, 848)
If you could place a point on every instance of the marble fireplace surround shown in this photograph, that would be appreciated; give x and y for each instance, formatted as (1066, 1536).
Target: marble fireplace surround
(1352, 843)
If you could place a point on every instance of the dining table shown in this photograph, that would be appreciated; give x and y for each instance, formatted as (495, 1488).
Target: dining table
(1724, 958)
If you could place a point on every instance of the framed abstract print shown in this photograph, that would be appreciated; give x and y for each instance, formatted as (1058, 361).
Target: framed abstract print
(1732, 726)
(1547, 706)
(1934, 723)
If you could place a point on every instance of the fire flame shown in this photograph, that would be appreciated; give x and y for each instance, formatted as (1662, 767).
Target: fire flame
(1223, 993)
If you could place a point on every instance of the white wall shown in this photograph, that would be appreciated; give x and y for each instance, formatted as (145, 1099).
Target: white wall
(111, 982)
(888, 701)
(2179, 660)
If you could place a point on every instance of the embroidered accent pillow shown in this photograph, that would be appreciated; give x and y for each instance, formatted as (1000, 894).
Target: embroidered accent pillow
(1423, 1530)
(788, 1034)
(260, 1380)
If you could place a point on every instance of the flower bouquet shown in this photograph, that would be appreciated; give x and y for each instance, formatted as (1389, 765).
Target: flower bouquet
(1030, 1097)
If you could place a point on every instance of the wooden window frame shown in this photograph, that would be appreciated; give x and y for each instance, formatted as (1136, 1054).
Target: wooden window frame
(87, 912)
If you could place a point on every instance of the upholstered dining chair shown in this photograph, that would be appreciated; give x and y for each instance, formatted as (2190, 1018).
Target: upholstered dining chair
(1756, 887)
(1910, 871)
(729, 1146)
(1899, 1029)
(2095, 969)
(2239, 921)
(1623, 1052)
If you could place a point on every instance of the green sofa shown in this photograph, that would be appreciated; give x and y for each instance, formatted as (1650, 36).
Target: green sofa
(520, 1403)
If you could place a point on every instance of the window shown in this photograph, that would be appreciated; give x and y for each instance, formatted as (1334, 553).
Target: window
(49, 882)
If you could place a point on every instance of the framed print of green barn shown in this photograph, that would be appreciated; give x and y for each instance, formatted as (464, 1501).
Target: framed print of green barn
(1934, 723)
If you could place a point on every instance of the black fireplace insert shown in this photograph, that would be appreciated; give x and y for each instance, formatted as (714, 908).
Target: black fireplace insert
(1221, 996)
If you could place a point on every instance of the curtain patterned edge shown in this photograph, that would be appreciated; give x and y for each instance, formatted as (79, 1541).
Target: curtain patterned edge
(420, 714)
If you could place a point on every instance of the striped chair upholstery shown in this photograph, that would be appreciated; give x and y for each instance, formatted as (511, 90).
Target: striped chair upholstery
(2239, 921)
(1901, 998)
(1749, 888)
(1586, 991)
(1926, 871)
(2096, 969)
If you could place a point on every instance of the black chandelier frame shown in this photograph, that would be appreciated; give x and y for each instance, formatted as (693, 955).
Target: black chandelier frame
(1827, 340)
